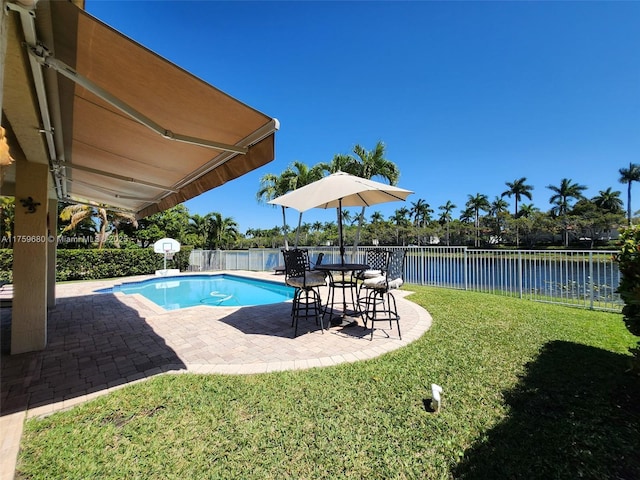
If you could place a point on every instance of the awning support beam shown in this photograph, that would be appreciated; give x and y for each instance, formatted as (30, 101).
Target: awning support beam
(44, 58)
(27, 20)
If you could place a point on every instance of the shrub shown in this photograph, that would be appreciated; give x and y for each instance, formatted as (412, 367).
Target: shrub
(89, 264)
(6, 265)
(628, 259)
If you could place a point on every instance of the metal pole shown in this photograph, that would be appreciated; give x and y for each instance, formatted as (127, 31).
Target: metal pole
(520, 271)
(590, 283)
(464, 266)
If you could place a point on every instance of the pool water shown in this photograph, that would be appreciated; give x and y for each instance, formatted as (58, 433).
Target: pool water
(172, 293)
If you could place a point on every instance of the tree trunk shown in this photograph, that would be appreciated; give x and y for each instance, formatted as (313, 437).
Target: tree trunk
(447, 234)
(357, 239)
(284, 228)
(298, 229)
(629, 203)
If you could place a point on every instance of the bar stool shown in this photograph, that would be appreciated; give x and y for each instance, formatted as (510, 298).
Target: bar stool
(377, 259)
(379, 304)
(306, 299)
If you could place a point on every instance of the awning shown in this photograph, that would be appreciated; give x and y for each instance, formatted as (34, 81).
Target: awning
(137, 132)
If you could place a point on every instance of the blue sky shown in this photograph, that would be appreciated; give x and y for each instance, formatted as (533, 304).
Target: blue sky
(465, 95)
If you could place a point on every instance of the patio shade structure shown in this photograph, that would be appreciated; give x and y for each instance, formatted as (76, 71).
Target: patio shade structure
(92, 117)
(124, 127)
(340, 190)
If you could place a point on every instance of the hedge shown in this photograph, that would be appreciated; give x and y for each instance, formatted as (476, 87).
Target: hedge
(628, 259)
(106, 263)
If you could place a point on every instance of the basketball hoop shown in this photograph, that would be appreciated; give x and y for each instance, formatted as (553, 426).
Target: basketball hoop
(168, 247)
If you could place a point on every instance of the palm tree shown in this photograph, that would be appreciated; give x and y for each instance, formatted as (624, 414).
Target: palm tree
(272, 186)
(373, 164)
(224, 229)
(518, 188)
(346, 217)
(116, 220)
(561, 199)
(376, 217)
(399, 218)
(445, 216)
(477, 203)
(497, 208)
(526, 210)
(298, 175)
(340, 163)
(628, 176)
(368, 164)
(563, 194)
(76, 214)
(609, 201)
(199, 226)
(317, 226)
(466, 215)
(421, 212)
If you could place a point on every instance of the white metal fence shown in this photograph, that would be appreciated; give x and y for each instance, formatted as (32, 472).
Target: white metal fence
(581, 278)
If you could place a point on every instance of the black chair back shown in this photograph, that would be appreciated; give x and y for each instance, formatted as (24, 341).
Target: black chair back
(395, 269)
(376, 259)
(296, 262)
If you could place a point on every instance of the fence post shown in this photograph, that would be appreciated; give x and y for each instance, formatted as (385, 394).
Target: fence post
(590, 283)
(465, 269)
(520, 272)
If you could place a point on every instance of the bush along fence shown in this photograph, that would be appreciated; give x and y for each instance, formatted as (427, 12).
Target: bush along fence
(104, 263)
(629, 263)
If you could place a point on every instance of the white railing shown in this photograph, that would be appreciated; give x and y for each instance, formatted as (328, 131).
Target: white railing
(582, 278)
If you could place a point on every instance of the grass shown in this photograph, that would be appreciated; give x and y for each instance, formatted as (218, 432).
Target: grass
(530, 391)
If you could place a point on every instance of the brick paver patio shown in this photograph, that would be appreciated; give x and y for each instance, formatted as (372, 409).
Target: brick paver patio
(98, 342)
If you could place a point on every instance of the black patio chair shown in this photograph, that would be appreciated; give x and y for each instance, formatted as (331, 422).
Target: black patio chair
(376, 259)
(307, 302)
(379, 304)
(310, 266)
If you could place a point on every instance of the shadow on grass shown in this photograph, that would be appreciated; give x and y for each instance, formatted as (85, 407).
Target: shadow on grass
(574, 414)
(94, 342)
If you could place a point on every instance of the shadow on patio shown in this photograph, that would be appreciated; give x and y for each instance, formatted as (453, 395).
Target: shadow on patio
(274, 320)
(94, 342)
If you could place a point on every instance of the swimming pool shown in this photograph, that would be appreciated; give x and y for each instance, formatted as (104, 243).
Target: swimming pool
(172, 293)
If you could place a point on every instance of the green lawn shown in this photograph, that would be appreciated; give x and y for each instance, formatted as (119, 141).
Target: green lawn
(530, 391)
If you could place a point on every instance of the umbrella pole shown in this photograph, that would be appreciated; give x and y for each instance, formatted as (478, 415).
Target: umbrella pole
(340, 239)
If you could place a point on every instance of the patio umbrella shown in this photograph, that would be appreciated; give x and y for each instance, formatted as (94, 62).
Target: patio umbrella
(340, 190)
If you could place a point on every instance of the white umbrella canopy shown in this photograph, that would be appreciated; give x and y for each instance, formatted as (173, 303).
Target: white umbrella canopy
(339, 190)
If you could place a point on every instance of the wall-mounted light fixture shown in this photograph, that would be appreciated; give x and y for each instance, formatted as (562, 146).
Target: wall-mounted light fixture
(29, 204)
